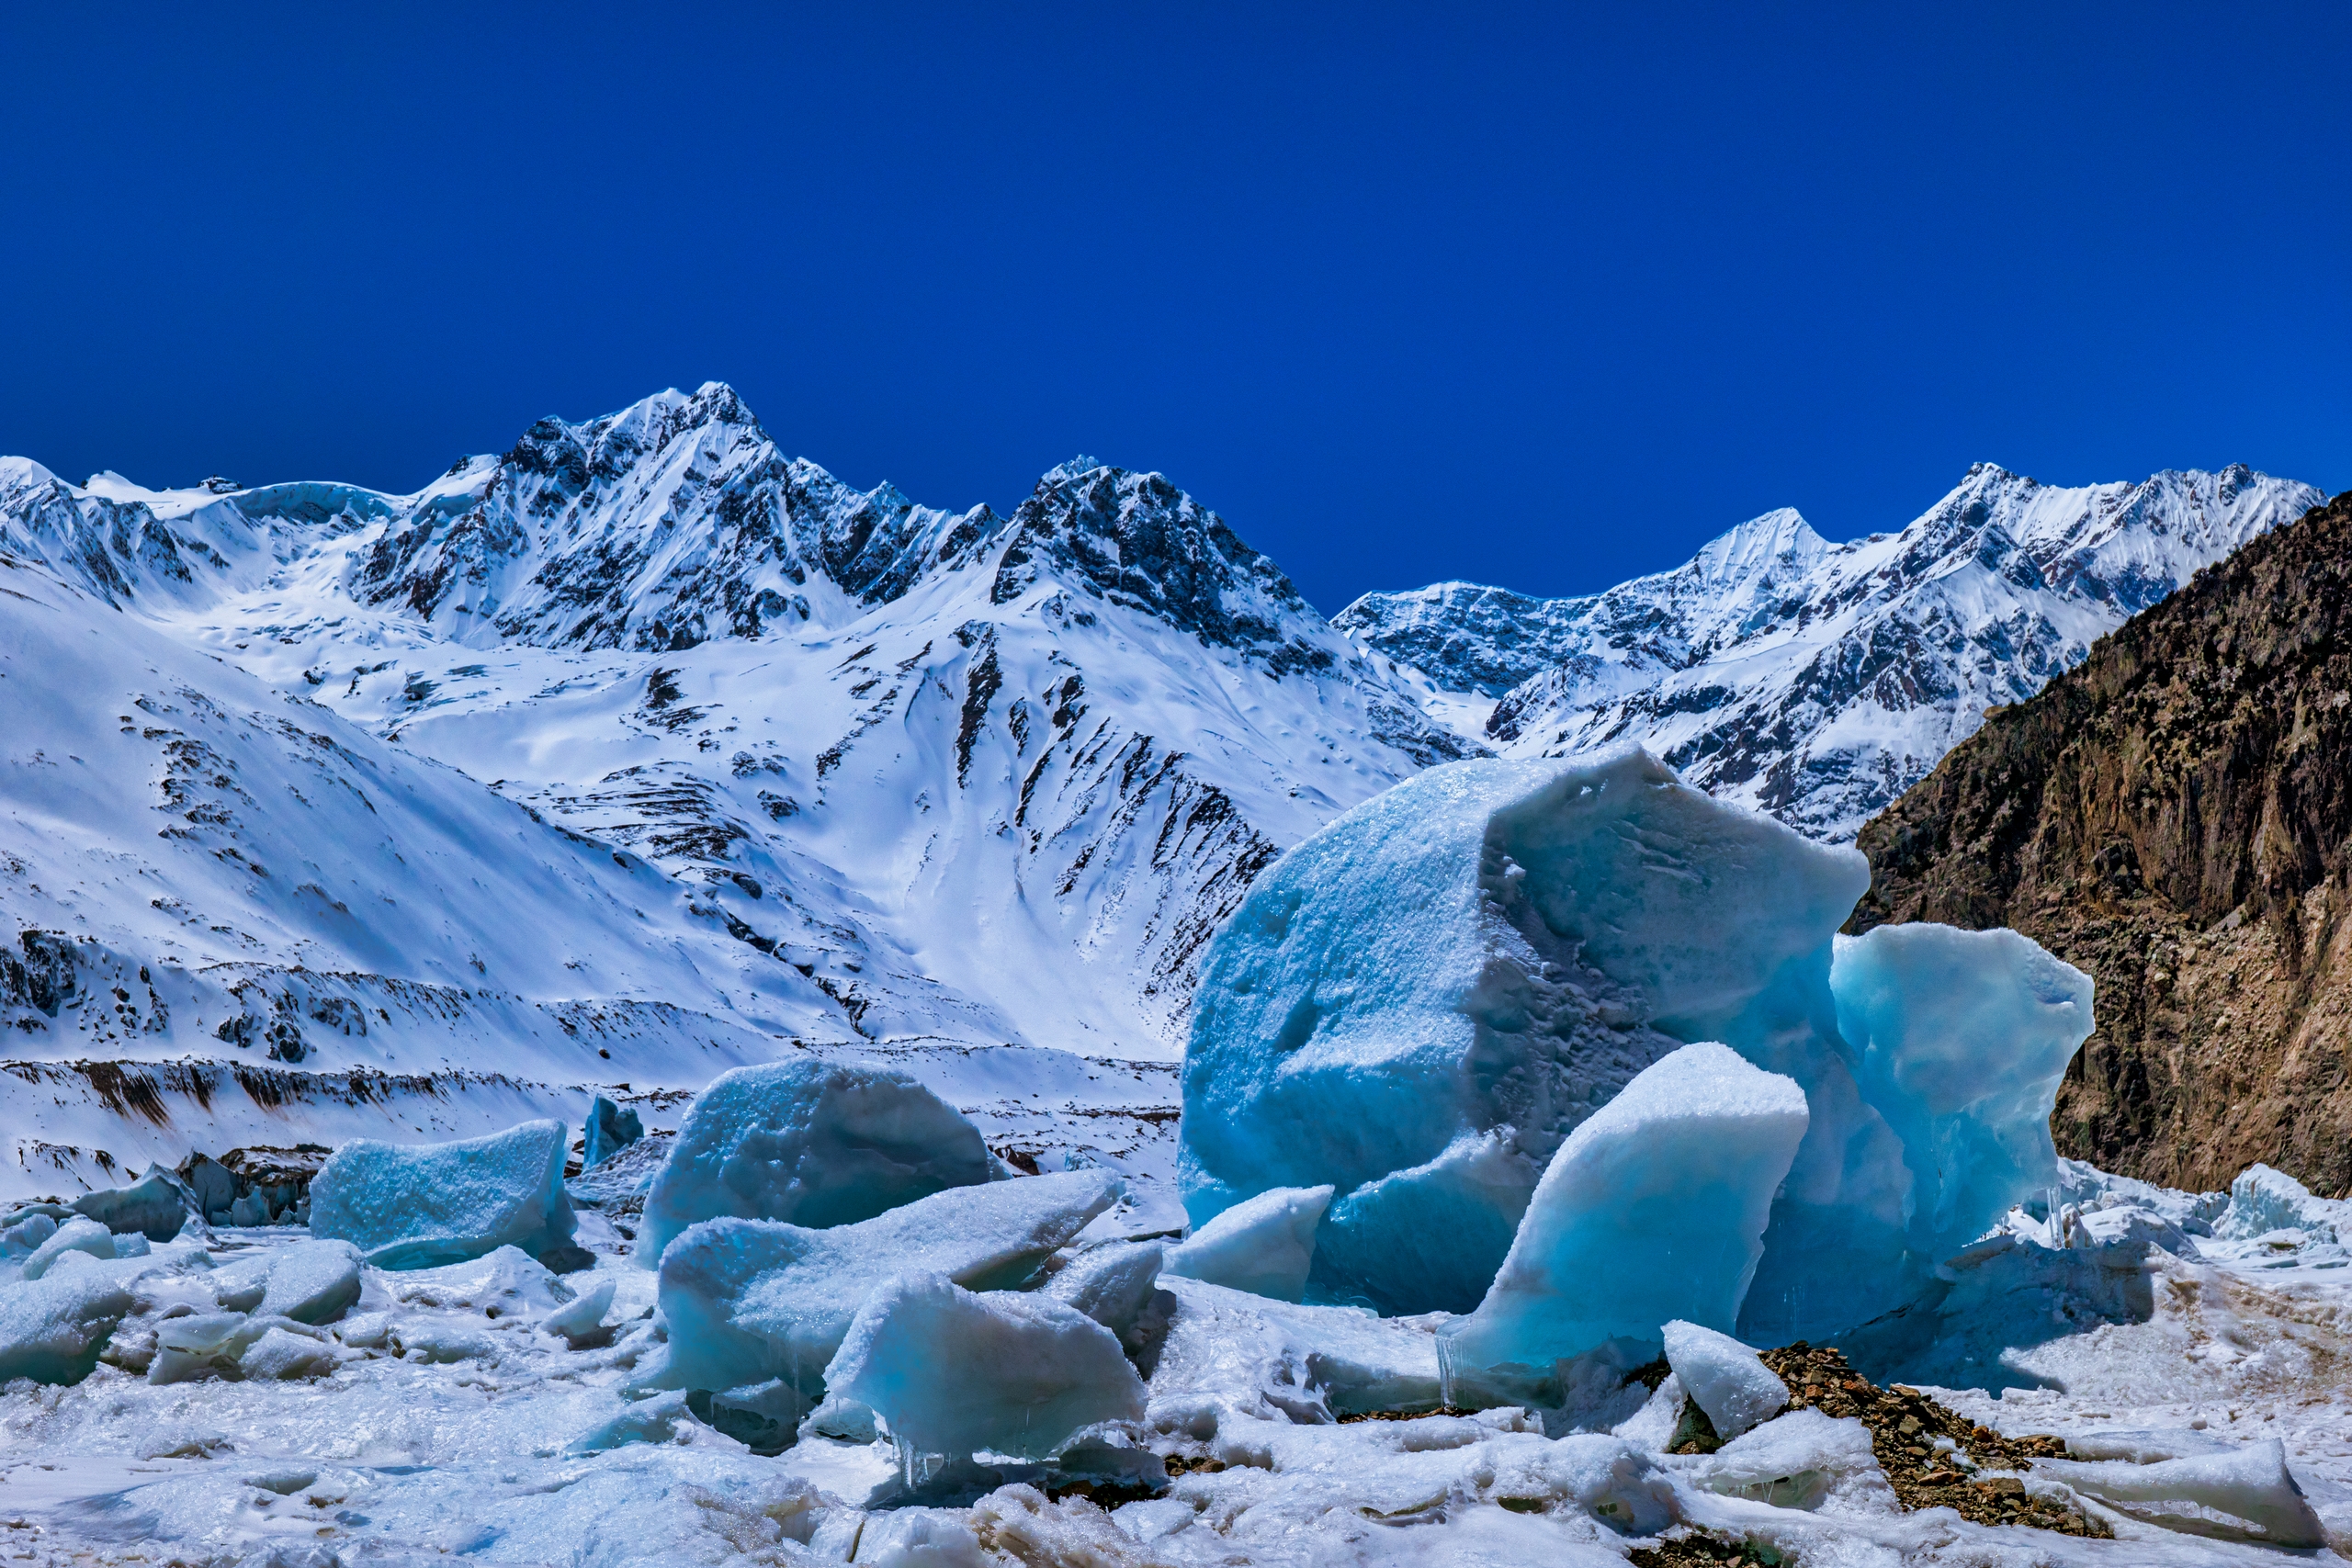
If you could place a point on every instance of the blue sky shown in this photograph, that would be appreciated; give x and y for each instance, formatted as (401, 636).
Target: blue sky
(1541, 296)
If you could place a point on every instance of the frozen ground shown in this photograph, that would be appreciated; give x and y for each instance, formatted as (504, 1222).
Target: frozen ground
(452, 1424)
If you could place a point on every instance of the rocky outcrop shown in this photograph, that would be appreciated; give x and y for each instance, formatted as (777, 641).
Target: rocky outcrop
(2172, 817)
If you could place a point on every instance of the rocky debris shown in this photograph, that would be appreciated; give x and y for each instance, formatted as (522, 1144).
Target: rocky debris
(2171, 818)
(1700, 1548)
(1933, 1457)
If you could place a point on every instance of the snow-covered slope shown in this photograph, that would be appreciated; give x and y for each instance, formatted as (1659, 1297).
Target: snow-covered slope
(643, 730)
(1815, 681)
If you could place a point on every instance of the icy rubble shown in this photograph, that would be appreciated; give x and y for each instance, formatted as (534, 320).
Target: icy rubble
(811, 1143)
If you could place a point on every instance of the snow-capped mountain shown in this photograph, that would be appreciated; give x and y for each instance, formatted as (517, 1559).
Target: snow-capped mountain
(634, 753)
(1818, 681)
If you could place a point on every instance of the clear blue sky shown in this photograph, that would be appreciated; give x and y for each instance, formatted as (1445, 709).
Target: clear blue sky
(1539, 295)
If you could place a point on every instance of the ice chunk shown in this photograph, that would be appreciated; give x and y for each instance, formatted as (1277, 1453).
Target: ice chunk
(312, 1282)
(610, 1130)
(84, 1236)
(2251, 1488)
(1421, 1002)
(1795, 1461)
(748, 1299)
(1726, 1379)
(2262, 1201)
(1111, 1284)
(1603, 1476)
(1264, 1244)
(506, 1283)
(415, 1206)
(53, 1329)
(812, 1143)
(281, 1353)
(584, 1318)
(155, 1205)
(1956, 1041)
(920, 1538)
(954, 1373)
(24, 1237)
(658, 1419)
(1653, 1209)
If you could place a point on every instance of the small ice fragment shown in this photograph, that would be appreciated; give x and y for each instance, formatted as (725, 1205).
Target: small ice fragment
(2251, 1485)
(1111, 1284)
(583, 1317)
(312, 1282)
(610, 1130)
(1264, 1244)
(1726, 1379)
(954, 1373)
(1604, 1476)
(281, 1354)
(414, 1206)
(1794, 1461)
(84, 1236)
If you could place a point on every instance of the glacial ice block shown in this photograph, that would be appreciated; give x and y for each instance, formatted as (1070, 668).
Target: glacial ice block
(77, 1235)
(2251, 1485)
(1930, 1119)
(51, 1329)
(750, 1300)
(1111, 1284)
(812, 1143)
(952, 1371)
(1653, 1210)
(1724, 1378)
(156, 1205)
(1421, 1002)
(610, 1130)
(420, 1205)
(1263, 1244)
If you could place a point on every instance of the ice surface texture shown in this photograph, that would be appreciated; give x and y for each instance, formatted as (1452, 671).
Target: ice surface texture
(952, 1371)
(751, 1300)
(1653, 1210)
(1418, 1004)
(1421, 1002)
(1264, 1244)
(813, 1144)
(417, 1206)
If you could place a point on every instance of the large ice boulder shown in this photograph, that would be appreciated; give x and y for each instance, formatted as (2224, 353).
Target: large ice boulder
(813, 1144)
(1264, 1244)
(1653, 1210)
(420, 1205)
(1931, 1102)
(51, 1329)
(751, 1300)
(1419, 1004)
(952, 1371)
(77, 1235)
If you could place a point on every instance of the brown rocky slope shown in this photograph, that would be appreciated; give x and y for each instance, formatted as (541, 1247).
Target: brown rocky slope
(2172, 817)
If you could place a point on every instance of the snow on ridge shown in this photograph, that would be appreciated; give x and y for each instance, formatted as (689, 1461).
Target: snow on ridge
(1817, 680)
(864, 774)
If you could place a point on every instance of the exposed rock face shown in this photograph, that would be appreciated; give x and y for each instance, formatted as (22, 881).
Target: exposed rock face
(2172, 818)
